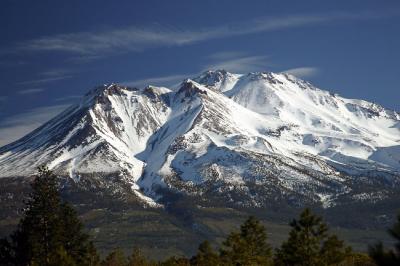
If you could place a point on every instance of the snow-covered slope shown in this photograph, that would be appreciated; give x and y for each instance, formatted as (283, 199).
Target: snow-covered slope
(249, 139)
(322, 123)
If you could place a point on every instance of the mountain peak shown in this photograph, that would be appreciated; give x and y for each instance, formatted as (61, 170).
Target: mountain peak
(108, 89)
(220, 80)
(190, 88)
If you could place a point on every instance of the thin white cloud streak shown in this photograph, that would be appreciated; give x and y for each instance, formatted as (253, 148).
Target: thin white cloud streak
(17, 126)
(98, 44)
(49, 76)
(68, 98)
(56, 73)
(44, 80)
(303, 72)
(156, 81)
(226, 55)
(30, 91)
(240, 65)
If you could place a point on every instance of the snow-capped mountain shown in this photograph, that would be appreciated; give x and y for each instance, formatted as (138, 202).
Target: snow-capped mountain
(246, 139)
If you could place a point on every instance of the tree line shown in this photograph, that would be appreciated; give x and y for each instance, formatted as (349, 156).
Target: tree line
(50, 233)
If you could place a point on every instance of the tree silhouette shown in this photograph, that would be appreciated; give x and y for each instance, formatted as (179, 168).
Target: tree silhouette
(391, 257)
(247, 247)
(48, 231)
(138, 259)
(205, 256)
(115, 258)
(176, 261)
(309, 244)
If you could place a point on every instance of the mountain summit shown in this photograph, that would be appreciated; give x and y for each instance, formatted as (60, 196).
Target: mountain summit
(245, 139)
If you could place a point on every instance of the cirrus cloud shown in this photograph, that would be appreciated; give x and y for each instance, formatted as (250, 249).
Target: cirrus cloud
(303, 72)
(97, 44)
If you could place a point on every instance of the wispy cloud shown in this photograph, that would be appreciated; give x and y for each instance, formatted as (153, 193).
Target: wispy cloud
(241, 64)
(19, 125)
(226, 55)
(303, 72)
(156, 81)
(42, 81)
(48, 76)
(56, 72)
(97, 44)
(30, 91)
(3, 98)
(68, 98)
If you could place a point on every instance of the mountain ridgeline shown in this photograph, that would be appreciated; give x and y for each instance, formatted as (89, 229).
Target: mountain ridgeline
(257, 140)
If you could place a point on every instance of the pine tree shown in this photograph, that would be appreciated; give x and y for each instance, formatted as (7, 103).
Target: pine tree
(138, 259)
(247, 247)
(62, 258)
(175, 261)
(48, 230)
(41, 222)
(334, 251)
(205, 256)
(309, 244)
(92, 258)
(358, 259)
(76, 243)
(115, 258)
(391, 257)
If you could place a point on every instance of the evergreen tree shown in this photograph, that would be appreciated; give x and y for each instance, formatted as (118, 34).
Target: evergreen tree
(92, 258)
(115, 258)
(41, 224)
(334, 251)
(48, 231)
(76, 243)
(62, 258)
(247, 247)
(358, 259)
(138, 259)
(309, 244)
(205, 256)
(391, 257)
(175, 261)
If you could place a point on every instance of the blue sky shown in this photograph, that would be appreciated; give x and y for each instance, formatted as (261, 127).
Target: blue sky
(51, 52)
